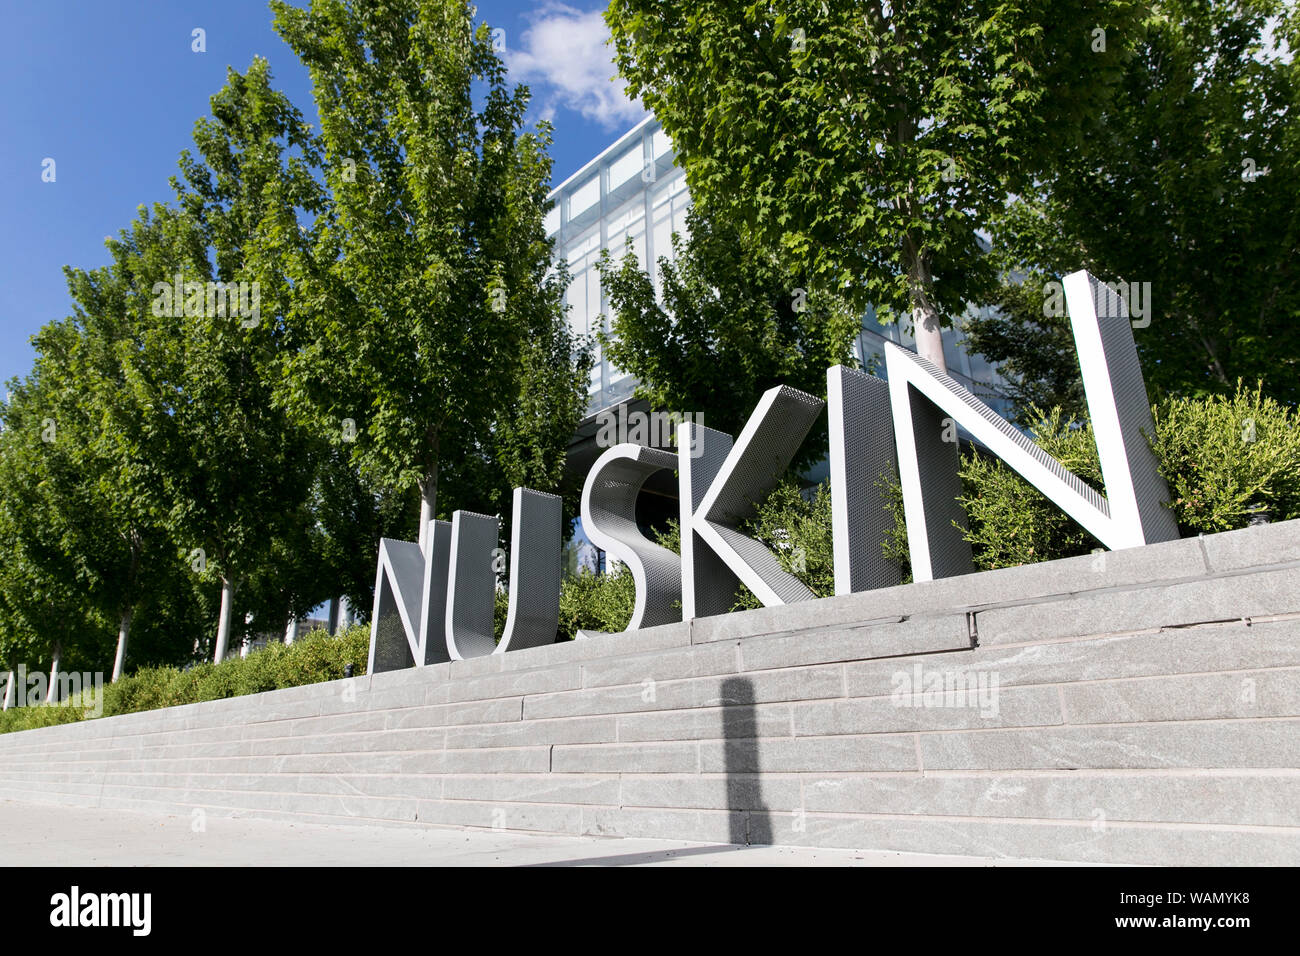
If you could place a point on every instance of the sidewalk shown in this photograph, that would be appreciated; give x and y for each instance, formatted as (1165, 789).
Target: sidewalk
(50, 835)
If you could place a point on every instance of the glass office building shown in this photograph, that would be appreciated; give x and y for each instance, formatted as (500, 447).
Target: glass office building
(633, 192)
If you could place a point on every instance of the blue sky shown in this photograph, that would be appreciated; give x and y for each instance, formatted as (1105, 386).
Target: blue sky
(110, 92)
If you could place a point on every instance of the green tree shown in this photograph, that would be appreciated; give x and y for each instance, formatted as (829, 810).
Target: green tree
(1189, 184)
(1034, 351)
(85, 524)
(44, 611)
(430, 317)
(351, 518)
(236, 469)
(731, 324)
(96, 474)
(870, 143)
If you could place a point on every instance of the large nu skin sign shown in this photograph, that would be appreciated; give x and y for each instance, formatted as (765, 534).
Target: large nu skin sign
(434, 602)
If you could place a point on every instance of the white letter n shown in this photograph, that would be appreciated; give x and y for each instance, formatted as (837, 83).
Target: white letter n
(1133, 511)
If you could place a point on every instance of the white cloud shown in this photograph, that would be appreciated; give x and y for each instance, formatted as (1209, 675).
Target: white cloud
(562, 56)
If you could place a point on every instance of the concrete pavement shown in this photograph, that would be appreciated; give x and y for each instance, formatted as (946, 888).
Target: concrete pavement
(49, 835)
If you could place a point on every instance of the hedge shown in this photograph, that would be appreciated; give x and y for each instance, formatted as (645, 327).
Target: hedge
(312, 658)
(1222, 458)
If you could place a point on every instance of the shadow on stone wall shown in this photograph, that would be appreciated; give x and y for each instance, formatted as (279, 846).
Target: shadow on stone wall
(750, 821)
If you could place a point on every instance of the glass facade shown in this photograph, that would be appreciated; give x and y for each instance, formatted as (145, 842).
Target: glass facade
(632, 195)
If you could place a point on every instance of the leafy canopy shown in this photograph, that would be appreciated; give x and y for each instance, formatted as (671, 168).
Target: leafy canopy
(871, 142)
(1188, 186)
(432, 319)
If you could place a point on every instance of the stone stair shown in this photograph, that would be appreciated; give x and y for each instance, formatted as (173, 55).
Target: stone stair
(1140, 706)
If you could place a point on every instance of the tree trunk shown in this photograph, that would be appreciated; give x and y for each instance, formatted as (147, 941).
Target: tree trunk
(123, 632)
(929, 335)
(1208, 344)
(920, 283)
(52, 692)
(925, 317)
(428, 504)
(291, 631)
(223, 623)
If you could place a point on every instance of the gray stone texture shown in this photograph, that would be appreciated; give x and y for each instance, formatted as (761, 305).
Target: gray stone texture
(1140, 706)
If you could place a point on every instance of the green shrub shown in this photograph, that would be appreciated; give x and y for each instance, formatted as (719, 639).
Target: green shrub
(1224, 454)
(603, 602)
(1219, 456)
(596, 602)
(797, 529)
(146, 689)
(186, 684)
(319, 657)
(894, 547)
(312, 658)
(1009, 521)
(29, 718)
(257, 672)
(500, 611)
(222, 680)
